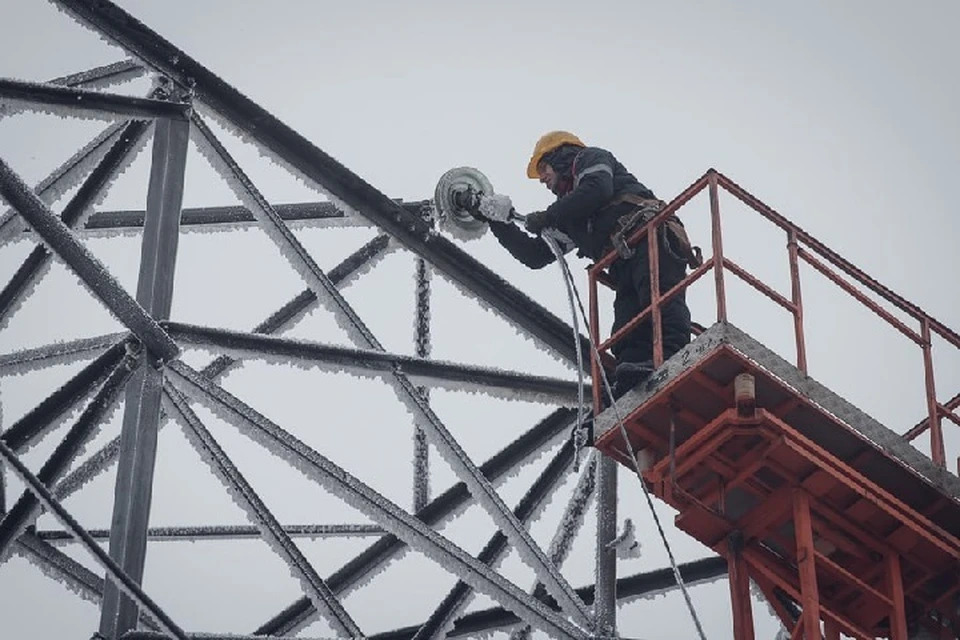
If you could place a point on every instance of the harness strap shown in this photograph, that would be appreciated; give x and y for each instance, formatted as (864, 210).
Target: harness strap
(646, 208)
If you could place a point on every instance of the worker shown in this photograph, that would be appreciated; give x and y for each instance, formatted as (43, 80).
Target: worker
(598, 204)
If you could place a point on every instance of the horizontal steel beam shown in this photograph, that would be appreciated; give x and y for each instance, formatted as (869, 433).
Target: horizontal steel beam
(72, 98)
(228, 532)
(79, 259)
(96, 78)
(377, 555)
(637, 586)
(103, 75)
(242, 345)
(153, 635)
(231, 216)
(307, 160)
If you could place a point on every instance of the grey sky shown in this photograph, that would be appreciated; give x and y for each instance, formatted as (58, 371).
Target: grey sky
(841, 116)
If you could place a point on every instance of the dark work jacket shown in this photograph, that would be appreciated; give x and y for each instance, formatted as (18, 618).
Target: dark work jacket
(597, 177)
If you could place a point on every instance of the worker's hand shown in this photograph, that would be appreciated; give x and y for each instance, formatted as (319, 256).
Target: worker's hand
(537, 222)
(496, 207)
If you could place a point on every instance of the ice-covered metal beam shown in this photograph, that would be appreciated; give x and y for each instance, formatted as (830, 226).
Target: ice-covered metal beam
(141, 419)
(35, 422)
(96, 78)
(240, 490)
(57, 353)
(228, 532)
(82, 100)
(491, 554)
(242, 345)
(369, 502)
(152, 635)
(38, 261)
(307, 213)
(27, 508)
(93, 274)
(226, 216)
(478, 623)
(422, 348)
(377, 555)
(38, 488)
(302, 156)
(104, 75)
(605, 601)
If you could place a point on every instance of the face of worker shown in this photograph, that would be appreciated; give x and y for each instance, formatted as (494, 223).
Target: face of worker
(549, 178)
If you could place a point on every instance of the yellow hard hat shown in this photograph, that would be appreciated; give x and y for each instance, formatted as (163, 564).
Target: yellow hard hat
(547, 143)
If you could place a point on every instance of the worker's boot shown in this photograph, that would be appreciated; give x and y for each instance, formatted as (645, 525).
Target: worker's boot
(629, 375)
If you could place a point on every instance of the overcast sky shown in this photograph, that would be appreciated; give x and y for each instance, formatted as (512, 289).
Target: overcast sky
(841, 116)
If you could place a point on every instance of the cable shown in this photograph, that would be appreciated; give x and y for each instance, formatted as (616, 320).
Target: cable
(572, 294)
(579, 437)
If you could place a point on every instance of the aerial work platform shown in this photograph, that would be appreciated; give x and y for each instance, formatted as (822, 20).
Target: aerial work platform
(799, 489)
(842, 523)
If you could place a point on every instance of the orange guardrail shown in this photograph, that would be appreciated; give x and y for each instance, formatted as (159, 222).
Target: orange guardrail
(801, 246)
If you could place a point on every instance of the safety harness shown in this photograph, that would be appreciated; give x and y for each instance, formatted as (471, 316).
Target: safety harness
(672, 234)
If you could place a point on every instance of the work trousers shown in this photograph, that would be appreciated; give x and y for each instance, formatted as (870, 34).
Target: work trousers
(632, 281)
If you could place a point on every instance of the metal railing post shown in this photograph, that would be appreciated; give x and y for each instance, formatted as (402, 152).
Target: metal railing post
(937, 451)
(594, 330)
(656, 322)
(797, 299)
(717, 241)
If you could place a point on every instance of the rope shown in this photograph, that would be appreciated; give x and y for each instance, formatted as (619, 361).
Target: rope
(574, 294)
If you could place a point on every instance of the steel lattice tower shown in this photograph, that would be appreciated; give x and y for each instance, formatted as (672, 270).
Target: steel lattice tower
(145, 370)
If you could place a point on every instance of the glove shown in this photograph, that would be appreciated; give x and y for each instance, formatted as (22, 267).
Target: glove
(537, 222)
(496, 207)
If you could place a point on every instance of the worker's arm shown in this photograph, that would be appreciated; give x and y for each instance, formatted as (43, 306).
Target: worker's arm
(531, 251)
(592, 187)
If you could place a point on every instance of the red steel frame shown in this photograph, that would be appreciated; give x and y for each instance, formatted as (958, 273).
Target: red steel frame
(800, 246)
(890, 552)
(887, 586)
